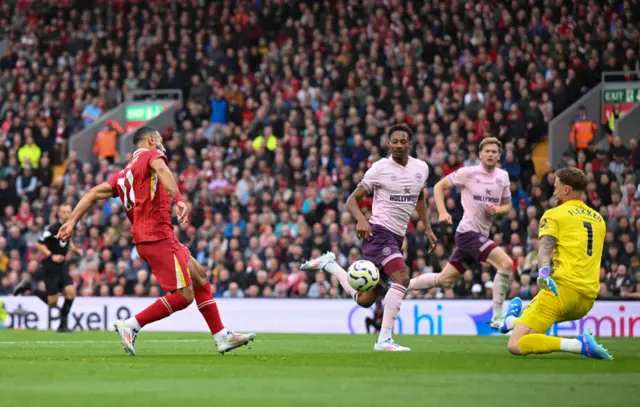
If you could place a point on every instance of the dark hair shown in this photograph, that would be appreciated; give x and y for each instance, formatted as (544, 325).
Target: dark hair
(401, 127)
(574, 178)
(141, 133)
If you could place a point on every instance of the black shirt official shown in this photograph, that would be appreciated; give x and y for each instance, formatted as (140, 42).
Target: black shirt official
(55, 246)
(54, 269)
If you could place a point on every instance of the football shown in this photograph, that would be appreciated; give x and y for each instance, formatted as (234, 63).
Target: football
(363, 275)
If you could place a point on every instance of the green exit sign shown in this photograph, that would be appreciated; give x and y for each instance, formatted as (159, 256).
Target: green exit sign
(143, 113)
(631, 95)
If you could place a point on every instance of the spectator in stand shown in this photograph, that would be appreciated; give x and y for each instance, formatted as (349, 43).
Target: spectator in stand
(92, 112)
(583, 131)
(29, 154)
(106, 145)
(286, 104)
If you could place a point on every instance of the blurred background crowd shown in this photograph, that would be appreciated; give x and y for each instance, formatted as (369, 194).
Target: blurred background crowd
(286, 105)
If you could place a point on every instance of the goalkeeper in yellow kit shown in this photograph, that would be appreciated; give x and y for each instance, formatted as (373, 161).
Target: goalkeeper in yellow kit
(572, 235)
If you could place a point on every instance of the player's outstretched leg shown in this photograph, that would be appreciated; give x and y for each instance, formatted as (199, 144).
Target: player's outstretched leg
(504, 266)
(327, 262)
(525, 341)
(160, 309)
(225, 339)
(399, 275)
(513, 313)
(445, 279)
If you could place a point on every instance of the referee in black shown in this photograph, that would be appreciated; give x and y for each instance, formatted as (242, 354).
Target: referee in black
(54, 269)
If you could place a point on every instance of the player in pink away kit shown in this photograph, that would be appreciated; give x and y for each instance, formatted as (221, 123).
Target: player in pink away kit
(397, 184)
(145, 187)
(485, 194)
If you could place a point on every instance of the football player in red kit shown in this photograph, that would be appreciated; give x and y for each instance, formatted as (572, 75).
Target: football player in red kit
(146, 188)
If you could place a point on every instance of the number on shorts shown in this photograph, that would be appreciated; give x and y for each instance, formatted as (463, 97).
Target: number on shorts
(128, 197)
(589, 228)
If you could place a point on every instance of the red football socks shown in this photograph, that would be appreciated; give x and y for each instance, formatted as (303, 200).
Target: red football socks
(208, 308)
(162, 308)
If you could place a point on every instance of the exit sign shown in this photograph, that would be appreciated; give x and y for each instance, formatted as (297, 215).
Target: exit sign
(621, 95)
(136, 116)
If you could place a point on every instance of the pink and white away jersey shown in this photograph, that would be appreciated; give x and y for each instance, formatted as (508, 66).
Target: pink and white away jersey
(479, 188)
(395, 191)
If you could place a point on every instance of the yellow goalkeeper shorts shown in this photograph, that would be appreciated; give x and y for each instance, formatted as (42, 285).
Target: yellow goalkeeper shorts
(547, 309)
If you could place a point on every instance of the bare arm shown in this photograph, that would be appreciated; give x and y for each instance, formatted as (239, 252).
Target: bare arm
(166, 177)
(545, 250)
(353, 203)
(438, 194)
(97, 193)
(505, 207)
(421, 208)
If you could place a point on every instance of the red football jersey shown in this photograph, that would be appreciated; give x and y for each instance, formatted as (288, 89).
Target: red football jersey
(146, 201)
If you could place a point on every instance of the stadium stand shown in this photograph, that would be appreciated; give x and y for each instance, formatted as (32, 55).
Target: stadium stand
(286, 105)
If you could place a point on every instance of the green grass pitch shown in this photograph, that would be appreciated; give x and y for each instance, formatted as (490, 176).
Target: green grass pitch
(183, 370)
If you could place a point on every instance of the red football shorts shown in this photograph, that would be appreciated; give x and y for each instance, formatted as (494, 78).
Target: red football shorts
(168, 261)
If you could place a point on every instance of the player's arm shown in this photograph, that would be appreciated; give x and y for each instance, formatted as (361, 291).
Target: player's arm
(548, 240)
(503, 209)
(421, 208)
(97, 193)
(159, 165)
(439, 190)
(353, 206)
(547, 246)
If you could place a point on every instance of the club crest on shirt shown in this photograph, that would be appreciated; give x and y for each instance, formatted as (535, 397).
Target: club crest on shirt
(418, 177)
(543, 223)
(483, 239)
(386, 251)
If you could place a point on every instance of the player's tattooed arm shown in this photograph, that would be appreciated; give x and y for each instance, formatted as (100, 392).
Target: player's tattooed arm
(546, 247)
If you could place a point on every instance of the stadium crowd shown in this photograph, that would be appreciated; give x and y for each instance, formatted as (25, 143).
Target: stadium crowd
(286, 106)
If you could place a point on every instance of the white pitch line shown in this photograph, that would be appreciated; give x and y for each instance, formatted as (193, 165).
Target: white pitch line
(86, 342)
